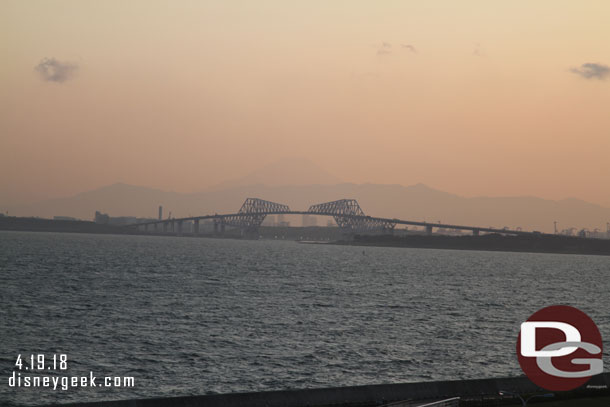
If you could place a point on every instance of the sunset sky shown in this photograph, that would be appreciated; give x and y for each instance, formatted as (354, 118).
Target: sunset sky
(471, 97)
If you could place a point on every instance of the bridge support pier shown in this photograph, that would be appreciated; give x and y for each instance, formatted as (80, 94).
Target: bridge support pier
(179, 228)
(196, 227)
(388, 231)
(219, 227)
(164, 227)
(429, 229)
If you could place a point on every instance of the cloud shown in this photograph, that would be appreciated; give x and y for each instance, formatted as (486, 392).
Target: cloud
(408, 47)
(384, 49)
(478, 51)
(52, 70)
(592, 71)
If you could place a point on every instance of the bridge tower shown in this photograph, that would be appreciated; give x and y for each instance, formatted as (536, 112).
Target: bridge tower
(252, 214)
(351, 218)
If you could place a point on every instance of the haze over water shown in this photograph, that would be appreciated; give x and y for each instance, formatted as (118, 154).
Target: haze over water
(195, 316)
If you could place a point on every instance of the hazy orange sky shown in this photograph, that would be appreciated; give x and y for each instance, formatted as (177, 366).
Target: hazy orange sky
(471, 97)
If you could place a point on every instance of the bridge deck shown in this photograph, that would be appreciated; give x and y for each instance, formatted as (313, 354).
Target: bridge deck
(394, 221)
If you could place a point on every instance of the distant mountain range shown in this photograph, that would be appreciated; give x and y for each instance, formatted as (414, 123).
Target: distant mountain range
(416, 202)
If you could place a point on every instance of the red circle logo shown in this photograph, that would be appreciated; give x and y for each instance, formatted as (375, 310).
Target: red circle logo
(559, 348)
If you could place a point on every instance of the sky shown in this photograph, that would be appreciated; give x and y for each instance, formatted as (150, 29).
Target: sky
(477, 98)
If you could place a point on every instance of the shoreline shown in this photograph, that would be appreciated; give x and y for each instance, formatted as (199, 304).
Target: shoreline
(543, 243)
(490, 242)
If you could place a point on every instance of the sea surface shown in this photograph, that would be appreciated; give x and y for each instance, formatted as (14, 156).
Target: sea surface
(187, 316)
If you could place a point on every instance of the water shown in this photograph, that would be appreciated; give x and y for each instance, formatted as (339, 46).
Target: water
(195, 316)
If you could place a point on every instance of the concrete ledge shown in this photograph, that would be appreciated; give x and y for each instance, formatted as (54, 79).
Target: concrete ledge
(371, 395)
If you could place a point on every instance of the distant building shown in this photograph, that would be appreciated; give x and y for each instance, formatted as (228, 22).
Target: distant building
(105, 219)
(101, 218)
(269, 220)
(310, 220)
(281, 221)
(160, 212)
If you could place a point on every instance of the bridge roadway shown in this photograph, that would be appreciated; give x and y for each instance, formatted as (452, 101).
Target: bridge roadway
(390, 221)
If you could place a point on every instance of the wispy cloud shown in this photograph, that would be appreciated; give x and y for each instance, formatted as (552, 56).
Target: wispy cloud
(384, 49)
(52, 70)
(478, 51)
(408, 47)
(592, 70)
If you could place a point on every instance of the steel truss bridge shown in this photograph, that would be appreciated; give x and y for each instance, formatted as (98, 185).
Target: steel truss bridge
(347, 213)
